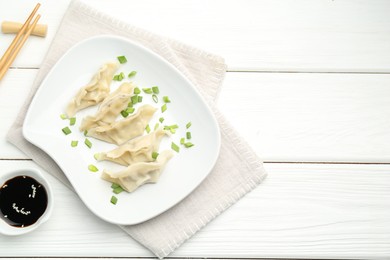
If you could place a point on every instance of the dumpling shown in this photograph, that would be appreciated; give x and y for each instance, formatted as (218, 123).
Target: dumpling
(139, 149)
(95, 91)
(139, 173)
(110, 108)
(125, 129)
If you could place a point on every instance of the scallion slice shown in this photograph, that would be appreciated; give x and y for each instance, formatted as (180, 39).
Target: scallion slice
(175, 147)
(161, 119)
(63, 116)
(188, 125)
(66, 130)
(163, 108)
(137, 91)
(92, 168)
(74, 143)
(188, 144)
(96, 156)
(115, 185)
(134, 99)
(155, 155)
(130, 110)
(114, 200)
(122, 59)
(88, 143)
(147, 128)
(118, 190)
(72, 121)
(85, 132)
(155, 90)
(139, 99)
(132, 74)
(155, 98)
(124, 113)
(147, 90)
(182, 140)
(166, 99)
(156, 126)
(188, 135)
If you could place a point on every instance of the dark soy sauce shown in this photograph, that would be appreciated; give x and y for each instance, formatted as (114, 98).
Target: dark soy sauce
(23, 201)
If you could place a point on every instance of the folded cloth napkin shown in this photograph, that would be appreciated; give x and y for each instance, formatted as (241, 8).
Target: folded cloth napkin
(238, 169)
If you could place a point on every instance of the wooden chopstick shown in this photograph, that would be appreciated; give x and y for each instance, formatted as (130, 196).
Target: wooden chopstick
(14, 48)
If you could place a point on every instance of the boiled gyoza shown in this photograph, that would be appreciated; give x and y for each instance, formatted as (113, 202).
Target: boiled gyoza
(95, 91)
(110, 108)
(123, 130)
(139, 149)
(139, 173)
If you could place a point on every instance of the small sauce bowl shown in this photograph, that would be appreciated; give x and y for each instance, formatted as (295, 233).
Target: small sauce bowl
(38, 179)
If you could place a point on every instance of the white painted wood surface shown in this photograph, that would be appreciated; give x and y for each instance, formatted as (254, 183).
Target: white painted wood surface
(301, 211)
(313, 210)
(266, 35)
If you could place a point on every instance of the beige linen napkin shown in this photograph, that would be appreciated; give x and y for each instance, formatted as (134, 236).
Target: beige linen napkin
(238, 169)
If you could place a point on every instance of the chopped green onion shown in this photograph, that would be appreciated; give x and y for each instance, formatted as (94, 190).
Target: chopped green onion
(122, 59)
(85, 132)
(137, 91)
(155, 155)
(156, 126)
(114, 200)
(139, 99)
(118, 190)
(96, 156)
(161, 119)
(115, 185)
(66, 130)
(188, 135)
(147, 90)
(182, 140)
(172, 130)
(130, 110)
(72, 121)
(92, 168)
(169, 127)
(147, 128)
(124, 113)
(188, 144)
(63, 116)
(166, 99)
(164, 108)
(155, 90)
(132, 74)
(88, 143)
(130, 104)
(155, 98)
(118, 77)
(134, 99)
(188, 125)
(175, 147)
(74, 143)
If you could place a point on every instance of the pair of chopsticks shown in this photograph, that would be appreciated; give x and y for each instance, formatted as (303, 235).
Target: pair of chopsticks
(13, 50)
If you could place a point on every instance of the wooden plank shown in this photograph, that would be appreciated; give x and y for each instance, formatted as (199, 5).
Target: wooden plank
(287, 117)
(300, 117)
(300, 211)
(264, 35)
(14, 89)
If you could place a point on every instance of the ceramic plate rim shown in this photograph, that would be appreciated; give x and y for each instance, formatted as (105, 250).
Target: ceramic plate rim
(28, 135)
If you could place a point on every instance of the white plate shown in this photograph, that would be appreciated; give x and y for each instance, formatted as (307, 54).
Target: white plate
(183, 173)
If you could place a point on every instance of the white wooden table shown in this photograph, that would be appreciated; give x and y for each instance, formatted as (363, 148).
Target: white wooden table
(308, 85)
